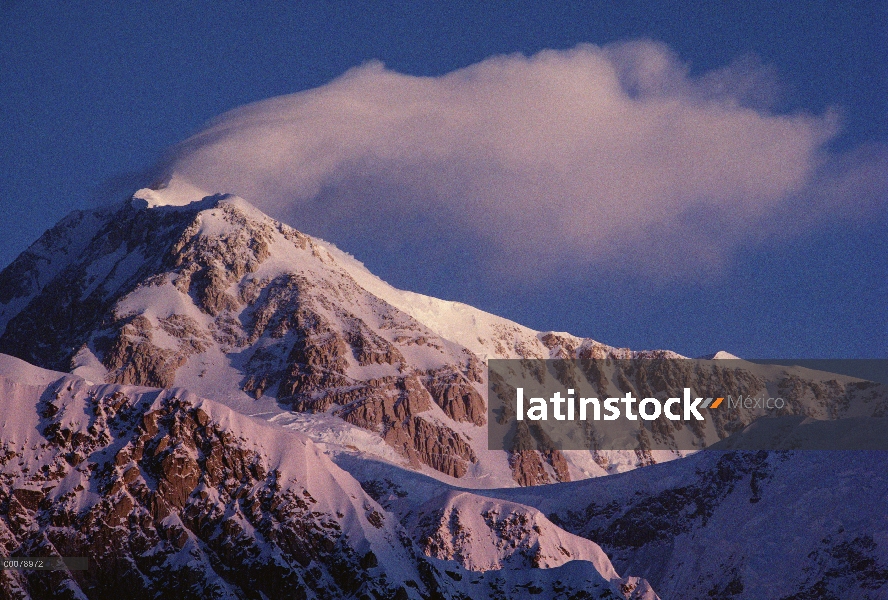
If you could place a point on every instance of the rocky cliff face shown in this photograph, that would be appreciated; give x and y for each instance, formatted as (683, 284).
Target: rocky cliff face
(162, 491)
(172, 496)
(216, 296)
(157, 288)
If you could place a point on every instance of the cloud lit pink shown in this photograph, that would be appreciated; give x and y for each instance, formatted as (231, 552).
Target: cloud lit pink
(565, 156)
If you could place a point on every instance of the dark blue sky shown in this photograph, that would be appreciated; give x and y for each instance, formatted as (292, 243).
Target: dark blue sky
(92, 93)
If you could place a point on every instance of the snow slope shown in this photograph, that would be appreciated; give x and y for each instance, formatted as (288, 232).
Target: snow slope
(779, 525)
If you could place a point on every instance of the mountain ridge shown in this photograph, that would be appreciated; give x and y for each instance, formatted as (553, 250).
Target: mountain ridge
(217, 297)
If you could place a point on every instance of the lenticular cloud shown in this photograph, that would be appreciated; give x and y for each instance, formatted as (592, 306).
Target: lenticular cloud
(563, 157)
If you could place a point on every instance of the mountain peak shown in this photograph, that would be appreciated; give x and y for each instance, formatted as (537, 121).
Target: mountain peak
(720, 355)
(174, 191)
(212, 295)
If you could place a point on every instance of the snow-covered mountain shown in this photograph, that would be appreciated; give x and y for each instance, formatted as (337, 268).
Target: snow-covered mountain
(173, 496)
(216, 297)
(788, 525)
(223, 404)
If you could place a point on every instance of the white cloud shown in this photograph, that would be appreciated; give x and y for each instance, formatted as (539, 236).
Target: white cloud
(580, 156)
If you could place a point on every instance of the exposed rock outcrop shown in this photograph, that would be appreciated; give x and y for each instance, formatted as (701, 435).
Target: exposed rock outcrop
(309, 334)
(168, 497)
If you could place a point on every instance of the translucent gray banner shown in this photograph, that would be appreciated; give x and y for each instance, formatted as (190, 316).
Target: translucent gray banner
(644, 404)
